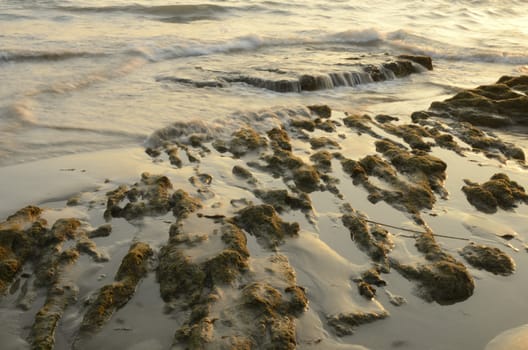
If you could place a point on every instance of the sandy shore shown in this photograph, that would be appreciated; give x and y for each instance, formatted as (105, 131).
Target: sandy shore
(303, 276)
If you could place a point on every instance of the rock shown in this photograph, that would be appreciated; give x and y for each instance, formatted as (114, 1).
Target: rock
(244, 141)
(487, 258)
(323, 111)
(306, 178)
(101, 231)
(281, 200)
(345, 324)
(263, 222)
(383, 118)
(443, 281)
(495, 106)
(499, 191)
(47, 319)
(183, 204)
(375, 246)
(424, 61)
(149, 197)
(133, 268)
(320, 142)
(304, 123)
(322, 160)
(279, 139)
(366, 290)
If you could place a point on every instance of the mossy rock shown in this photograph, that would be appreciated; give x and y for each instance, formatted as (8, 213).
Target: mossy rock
(134, 265)
(303, 123)
(110, 298)
(375, 247)
(306, 178)
(244, 141)
(225, 267)
(326, 125)
(323, 142)
(487, 258)
(178, 275)
(446, 282)
(183, 204)
(322, 160)
(279, 139)
(263, 222)
(323, 111)
(281, 200)
(345, 324)
(499, 191)
(235, 239)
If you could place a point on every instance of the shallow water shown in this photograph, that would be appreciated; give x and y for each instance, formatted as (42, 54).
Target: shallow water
(87, 75)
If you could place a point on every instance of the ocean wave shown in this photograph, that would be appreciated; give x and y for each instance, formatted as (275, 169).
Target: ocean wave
(256, 42)
(406, 41)
(45, 56)
(222, 128)
(168, 13)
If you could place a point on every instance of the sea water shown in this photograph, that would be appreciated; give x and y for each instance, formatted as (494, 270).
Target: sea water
(87, 75)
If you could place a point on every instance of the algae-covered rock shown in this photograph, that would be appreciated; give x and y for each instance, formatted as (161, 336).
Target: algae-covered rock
(375, 241)
(225, 267)
(279, 139)
(148, 197)
(487, 258)
(322, 160)
(366, 290)
(282, 200)
(178, 275)
(183, 204)
(47, 319)
(345, 324)
(499, 191)
(263, 222)
(306, 178)
(19, 235)
(111, 297)
(323, 111)
(323, 142)
(276, 329)
(443, 281)
(245, 140)
(496, 105)
(424, 61)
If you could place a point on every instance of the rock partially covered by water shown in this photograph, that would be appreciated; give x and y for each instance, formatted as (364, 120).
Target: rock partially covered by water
(345, 324)
(446, 282)
(424, 61)
(501, 104)
(133, 268)
(498, 192)
(244, 141)
(487, 258)
(263, 222)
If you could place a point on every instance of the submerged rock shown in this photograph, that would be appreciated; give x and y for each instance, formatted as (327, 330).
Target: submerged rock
(487, 258)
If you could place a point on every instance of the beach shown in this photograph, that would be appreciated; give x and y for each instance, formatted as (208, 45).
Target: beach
(255, 175)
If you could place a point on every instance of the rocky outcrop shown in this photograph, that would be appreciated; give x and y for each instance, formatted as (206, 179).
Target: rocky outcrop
(498, 192)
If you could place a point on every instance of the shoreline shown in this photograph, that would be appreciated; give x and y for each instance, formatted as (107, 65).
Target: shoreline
(307, 180)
